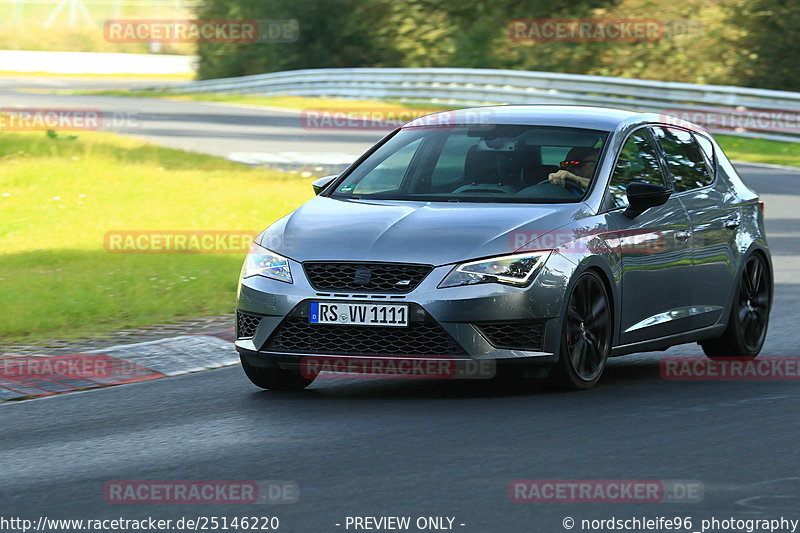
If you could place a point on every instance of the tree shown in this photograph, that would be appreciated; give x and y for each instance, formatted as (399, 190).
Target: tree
(771, 30)
(332, 33)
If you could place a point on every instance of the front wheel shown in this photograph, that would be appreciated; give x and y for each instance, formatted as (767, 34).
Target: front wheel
(274, 378)
(585, 335)
(747, 324)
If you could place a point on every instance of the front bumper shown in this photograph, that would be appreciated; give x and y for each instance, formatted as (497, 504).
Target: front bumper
(462, 312)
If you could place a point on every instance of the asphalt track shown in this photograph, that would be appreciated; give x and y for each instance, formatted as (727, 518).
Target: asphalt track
(411, 448)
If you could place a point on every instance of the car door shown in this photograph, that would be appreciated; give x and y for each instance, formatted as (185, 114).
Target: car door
(714, 220)
(655, 258)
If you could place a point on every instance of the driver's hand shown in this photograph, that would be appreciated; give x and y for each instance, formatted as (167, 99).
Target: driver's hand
(560, 178)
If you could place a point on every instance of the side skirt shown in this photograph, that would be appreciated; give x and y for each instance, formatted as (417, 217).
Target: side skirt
(662, 343)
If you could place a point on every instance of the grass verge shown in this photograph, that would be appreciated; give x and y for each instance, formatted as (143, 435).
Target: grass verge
(59, 198)
(760, 151)
(285, 101)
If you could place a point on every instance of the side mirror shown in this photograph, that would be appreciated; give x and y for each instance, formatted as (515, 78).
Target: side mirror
(320, 183)
(642, 196)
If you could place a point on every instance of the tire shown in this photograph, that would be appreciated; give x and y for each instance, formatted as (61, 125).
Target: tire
(747, 324)
(274, 378)
(585, 335)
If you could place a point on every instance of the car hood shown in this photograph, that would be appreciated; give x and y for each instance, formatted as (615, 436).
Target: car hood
(435, 233)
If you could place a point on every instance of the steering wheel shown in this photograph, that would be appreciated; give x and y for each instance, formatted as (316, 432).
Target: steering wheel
(573, 187)
(546, 190)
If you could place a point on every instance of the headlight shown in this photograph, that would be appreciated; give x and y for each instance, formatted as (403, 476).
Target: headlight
(511, 269)
(262, 262)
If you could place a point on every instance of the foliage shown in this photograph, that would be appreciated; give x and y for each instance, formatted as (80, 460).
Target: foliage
(333, 33)
(770, 29)
(739, 42)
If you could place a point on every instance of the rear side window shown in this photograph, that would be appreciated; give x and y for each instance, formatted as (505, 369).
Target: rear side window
(707, 147)
(687, 162)
(638, 161)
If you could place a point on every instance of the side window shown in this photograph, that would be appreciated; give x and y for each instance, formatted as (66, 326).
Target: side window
(450, 165)
(686, 160)
(554, 155)
(388, 174)
(638, 161)
(707, 148)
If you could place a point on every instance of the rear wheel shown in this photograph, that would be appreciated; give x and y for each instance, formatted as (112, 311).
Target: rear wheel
(585, 335)
(274, 378)
(747, 324)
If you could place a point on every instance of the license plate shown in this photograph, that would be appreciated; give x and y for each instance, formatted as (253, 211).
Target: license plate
(358, 314)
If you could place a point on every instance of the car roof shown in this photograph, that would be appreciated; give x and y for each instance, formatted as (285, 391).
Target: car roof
(573, 116)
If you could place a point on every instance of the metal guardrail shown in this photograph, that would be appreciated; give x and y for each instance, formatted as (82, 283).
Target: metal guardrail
(756, 113)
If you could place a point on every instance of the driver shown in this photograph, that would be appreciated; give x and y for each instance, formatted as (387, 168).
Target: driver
(577, 169)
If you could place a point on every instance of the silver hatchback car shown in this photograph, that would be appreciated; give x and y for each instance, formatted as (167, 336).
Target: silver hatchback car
(544, 237)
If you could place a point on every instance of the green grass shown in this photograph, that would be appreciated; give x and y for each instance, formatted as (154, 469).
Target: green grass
(760, 151)
(58, 198)
(286, 101)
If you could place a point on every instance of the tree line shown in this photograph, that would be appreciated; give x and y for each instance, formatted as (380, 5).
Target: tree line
(736, 42)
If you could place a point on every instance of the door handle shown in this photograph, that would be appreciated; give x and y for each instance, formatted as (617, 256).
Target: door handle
(683, 235)
(732, 223)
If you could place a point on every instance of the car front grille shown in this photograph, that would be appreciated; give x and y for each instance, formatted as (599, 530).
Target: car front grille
(365, 277)
(419, 338)
(514, 335)
(246, 324)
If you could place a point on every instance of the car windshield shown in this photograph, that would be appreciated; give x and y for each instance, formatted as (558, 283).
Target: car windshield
(480, 163)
